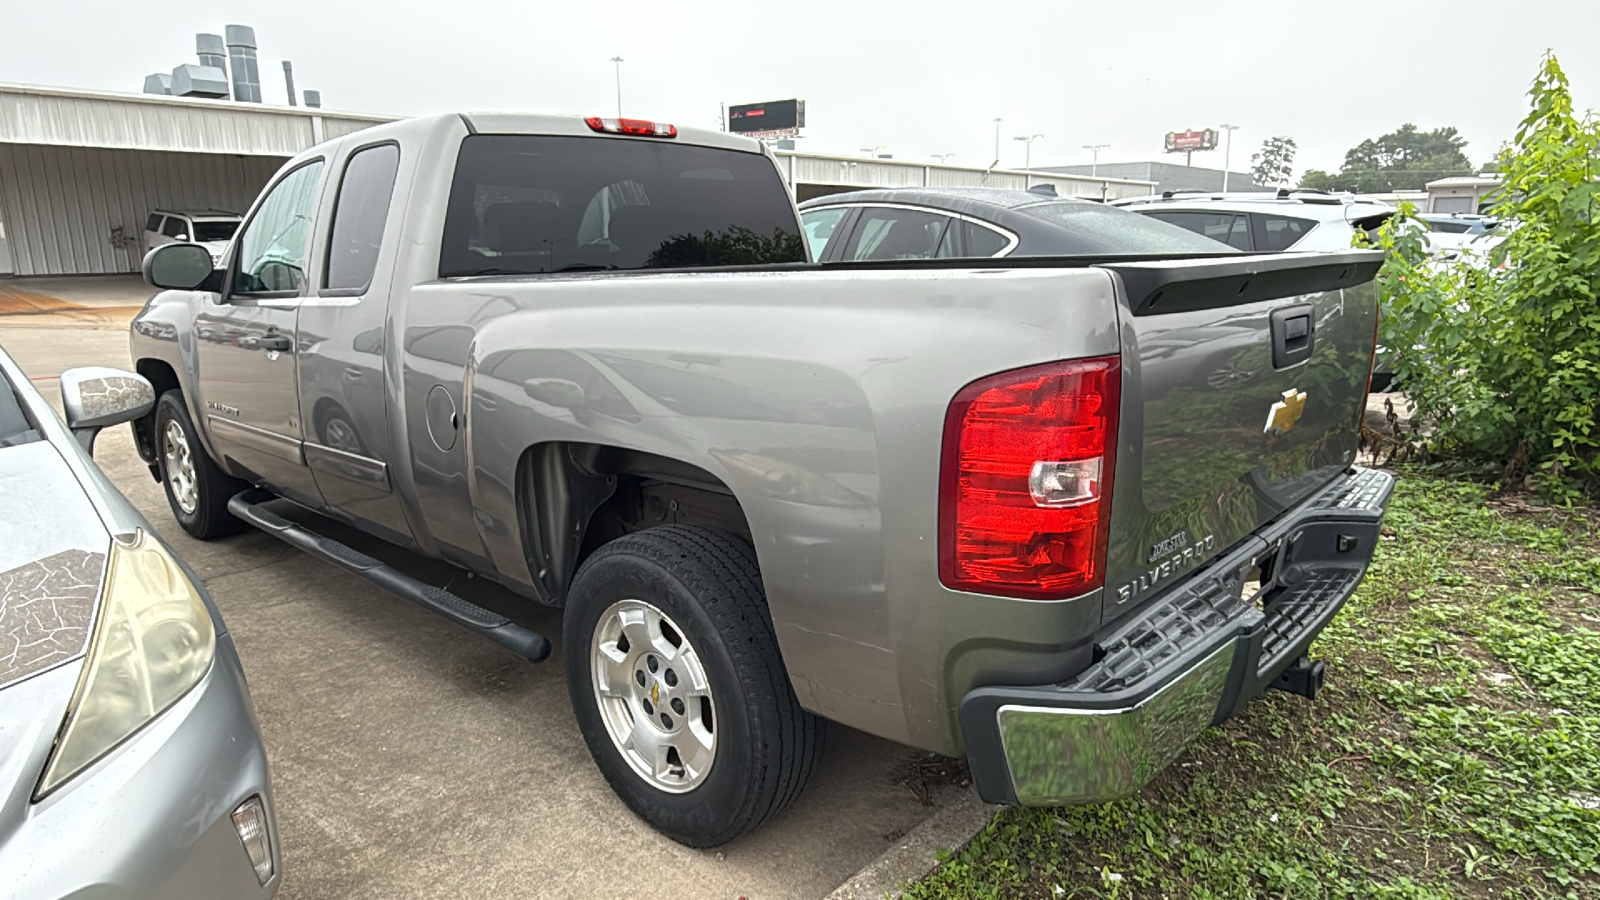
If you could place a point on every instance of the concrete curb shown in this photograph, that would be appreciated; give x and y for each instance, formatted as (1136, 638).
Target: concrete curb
(914, 855)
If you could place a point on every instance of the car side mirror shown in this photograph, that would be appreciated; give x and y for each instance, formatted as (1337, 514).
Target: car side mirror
(96, 397)
(180, 236)
(179, 267)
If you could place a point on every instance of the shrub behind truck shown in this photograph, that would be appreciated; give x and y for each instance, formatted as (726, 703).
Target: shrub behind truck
(1007, 509)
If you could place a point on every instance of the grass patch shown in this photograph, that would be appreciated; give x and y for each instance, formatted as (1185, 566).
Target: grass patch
(1454, 753)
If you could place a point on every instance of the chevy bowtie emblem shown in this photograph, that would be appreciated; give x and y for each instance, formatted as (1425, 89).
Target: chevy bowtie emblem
(655, 693)
(1285, 412)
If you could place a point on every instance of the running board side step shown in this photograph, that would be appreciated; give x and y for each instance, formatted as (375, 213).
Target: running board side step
(529, 645)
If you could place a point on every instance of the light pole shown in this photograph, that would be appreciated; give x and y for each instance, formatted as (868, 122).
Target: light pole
(941, 157)
(1227, 152)
(872, 152)
(1027, 154)
(618, 61)
(1094, 165)
(997, 121)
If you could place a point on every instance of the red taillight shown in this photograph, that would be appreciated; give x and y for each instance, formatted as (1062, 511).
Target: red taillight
(1024, 487)
(640, 127)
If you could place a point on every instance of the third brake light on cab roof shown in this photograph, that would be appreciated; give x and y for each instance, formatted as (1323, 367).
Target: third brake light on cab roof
(637, 127)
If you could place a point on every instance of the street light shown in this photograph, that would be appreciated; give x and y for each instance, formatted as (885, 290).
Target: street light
(1027, 154)
(873, 151)
(997, 121)
(1227, 152)
(617, 60)
(941, 157)
(1094, 167)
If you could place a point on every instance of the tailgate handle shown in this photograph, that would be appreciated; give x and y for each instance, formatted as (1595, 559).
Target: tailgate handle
(1293, 334)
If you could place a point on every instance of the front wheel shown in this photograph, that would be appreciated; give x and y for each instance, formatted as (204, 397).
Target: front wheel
(197, 489)
(678, 685)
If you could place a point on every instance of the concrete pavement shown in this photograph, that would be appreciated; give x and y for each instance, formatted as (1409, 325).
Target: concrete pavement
(413, 759)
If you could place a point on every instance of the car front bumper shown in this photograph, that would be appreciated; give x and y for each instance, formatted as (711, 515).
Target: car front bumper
(1189, 660)
(153, 819)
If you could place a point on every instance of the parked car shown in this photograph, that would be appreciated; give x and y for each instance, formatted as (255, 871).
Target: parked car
(210, 228)
(1299, 220)
(1261, 222)
(130, 760)
(941, 223)
(985, 507)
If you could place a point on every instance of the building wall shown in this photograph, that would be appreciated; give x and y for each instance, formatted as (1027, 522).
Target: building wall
(1167, 176)
(812, 175)
(60, 205)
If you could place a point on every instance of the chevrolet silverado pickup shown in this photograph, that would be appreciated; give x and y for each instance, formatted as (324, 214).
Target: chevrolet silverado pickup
(1057, 515)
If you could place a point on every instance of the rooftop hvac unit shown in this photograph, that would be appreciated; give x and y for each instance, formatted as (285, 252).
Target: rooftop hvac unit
(199, 81)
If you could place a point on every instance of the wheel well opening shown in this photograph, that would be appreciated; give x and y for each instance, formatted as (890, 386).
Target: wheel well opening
(597, 493)
(163, 379)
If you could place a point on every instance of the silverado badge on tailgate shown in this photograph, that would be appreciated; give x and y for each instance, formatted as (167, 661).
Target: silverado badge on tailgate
(1283, 414)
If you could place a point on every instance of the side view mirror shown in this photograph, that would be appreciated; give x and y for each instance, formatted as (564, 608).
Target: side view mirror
(181, 237)
(179, 267)
(96, 397)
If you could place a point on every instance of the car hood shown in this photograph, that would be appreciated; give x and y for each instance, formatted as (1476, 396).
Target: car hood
(53, 547)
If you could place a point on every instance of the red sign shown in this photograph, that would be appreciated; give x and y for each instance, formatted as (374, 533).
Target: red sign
(1190, 141)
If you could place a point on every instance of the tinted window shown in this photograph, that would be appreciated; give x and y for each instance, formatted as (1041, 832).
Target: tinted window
(819, 225)
(273, 248)
(214, 230)
(1446, 226)
(896, 234)
(981, 241)
(1230, 229)
(1084, 227)
(1275, 233)
(153, 223)
(175, 227)
(523, 204)
(358, 217)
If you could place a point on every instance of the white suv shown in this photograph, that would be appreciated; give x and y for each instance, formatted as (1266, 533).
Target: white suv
(210, 228)
(1262, 222)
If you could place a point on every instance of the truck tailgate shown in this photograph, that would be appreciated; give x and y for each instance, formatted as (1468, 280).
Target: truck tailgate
(1243, 382)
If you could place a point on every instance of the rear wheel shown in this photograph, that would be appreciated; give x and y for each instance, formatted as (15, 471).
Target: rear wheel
(678, 686)
(197, 489)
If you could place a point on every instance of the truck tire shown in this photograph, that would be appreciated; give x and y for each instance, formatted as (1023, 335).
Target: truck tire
(197, 490)
(678, 685)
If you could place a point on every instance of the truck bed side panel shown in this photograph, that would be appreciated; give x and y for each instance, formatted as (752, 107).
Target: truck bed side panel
(818, 398)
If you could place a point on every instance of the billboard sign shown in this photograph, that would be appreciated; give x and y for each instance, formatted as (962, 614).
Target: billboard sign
(781, 118)
(1190, 141)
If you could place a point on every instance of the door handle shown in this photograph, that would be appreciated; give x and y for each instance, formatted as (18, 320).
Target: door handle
(279, 342)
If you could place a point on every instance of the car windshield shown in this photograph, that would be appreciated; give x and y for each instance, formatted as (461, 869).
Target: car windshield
(524, 204)
(215, 229)
(1094, 228)
(15, 426)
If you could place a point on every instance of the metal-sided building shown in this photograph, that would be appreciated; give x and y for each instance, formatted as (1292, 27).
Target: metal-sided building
(80, 171)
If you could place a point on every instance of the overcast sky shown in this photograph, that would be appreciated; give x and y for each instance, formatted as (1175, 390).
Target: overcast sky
(915, 78)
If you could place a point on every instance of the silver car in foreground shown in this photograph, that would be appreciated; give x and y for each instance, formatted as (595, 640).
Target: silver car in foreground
(131, 764)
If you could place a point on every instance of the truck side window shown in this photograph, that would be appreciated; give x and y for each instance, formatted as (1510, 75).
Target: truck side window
(274, 245)
(359, 215)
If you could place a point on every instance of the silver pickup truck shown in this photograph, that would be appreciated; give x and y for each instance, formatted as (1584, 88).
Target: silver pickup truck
(1055, 515)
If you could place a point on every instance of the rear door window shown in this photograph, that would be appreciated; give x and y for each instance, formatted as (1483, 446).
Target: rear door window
(175, 227)
(1229, 228)
(359, 216)
(527, 204)
(1277, 232)
(885, 233)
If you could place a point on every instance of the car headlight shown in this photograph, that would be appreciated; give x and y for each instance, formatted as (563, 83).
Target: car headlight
(153, 642)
